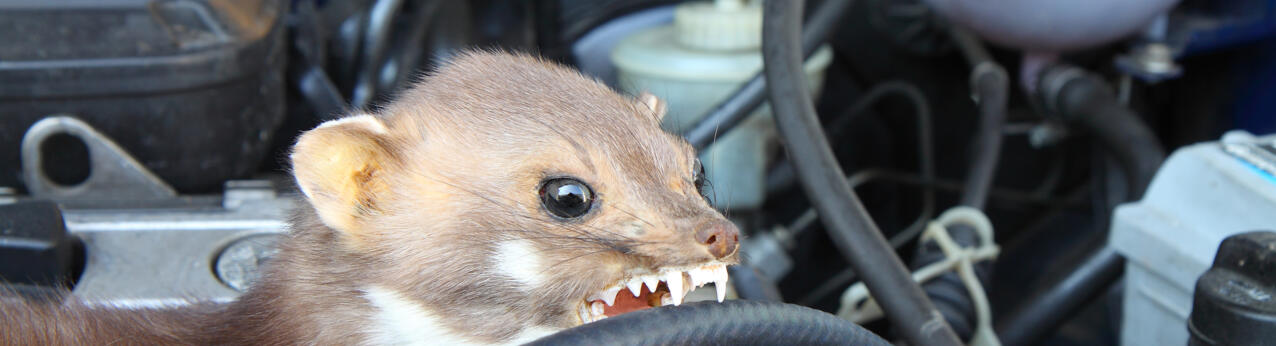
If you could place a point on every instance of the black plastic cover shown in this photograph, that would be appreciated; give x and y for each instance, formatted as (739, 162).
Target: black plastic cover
(1235, 301)
(193, 89)
(35, 248)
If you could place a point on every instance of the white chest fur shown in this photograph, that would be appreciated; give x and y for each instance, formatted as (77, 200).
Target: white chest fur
(400, 321)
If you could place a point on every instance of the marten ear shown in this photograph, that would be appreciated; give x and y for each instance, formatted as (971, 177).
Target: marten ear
(340, 168)
(654, 104)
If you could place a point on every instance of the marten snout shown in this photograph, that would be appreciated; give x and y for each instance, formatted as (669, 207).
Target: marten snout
(721, 237)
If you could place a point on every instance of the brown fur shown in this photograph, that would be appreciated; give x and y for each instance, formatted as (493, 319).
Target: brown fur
(419, 205)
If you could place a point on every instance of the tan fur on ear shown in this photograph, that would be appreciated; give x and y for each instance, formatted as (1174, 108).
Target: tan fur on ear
(339, 167)
(655, 104)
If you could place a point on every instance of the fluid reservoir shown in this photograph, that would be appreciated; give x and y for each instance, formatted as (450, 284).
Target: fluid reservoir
(708, 52)
(1053, 26)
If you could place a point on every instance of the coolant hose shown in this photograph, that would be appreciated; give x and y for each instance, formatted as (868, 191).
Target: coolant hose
(735, 322)
(1085, 101)
(991, 87)
(848, 223)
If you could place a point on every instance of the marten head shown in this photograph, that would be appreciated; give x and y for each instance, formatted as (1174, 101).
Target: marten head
(505, 197)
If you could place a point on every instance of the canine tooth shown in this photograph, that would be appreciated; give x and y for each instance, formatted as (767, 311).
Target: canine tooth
(720, 282)
(674, 280)
(721, 287)
(635, 286)
(609, 295)
(651, 281)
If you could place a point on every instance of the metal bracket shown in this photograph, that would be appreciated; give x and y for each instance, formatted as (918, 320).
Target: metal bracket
(113, 173)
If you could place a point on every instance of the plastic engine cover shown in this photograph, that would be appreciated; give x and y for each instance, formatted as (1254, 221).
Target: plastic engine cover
(192, 89)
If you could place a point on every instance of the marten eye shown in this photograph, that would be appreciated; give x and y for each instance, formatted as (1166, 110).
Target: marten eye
(566, 197)
(697, 177)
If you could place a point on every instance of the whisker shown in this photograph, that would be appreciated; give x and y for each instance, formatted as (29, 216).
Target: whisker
(574, 258)
(613, 206)
(542, 236)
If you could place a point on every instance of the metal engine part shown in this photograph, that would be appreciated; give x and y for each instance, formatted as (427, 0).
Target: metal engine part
(113, 174)
(144, 245)
(177, 251)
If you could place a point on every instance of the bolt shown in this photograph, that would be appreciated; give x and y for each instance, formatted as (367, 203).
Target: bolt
(239, 264)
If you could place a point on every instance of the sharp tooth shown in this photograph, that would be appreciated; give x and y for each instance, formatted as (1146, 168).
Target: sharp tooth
(674, 280)
(596, 309)
(651, 281)
(706, 275)
(635, 286)
(609, 295)
(721, 287)
(699, 276)
(583, 313)
(720, 282)
(666, 300)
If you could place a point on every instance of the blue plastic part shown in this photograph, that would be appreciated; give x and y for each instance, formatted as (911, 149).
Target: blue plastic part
(1204, 26)
(1254, 106)
(1208, 25)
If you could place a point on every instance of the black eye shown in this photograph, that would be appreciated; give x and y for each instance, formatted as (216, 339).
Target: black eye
(697, 177)
(566, 197)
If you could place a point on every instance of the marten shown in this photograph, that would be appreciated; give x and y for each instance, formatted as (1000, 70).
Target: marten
(499, 199)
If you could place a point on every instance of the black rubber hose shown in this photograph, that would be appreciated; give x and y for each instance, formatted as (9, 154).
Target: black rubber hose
(1061, 298)
(729, 113)
(749, 97)
(735, 322)
(969, 46)
(849, 225)
(1086, 101)
(991, 87)
(947, 291)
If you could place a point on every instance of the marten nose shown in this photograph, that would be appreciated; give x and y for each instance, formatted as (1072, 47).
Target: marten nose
(721, 238)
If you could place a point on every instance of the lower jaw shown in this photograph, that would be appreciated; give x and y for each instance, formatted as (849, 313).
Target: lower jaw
(638, 293)
(591, 311)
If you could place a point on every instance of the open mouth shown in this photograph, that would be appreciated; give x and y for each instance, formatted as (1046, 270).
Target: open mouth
(648, 290)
